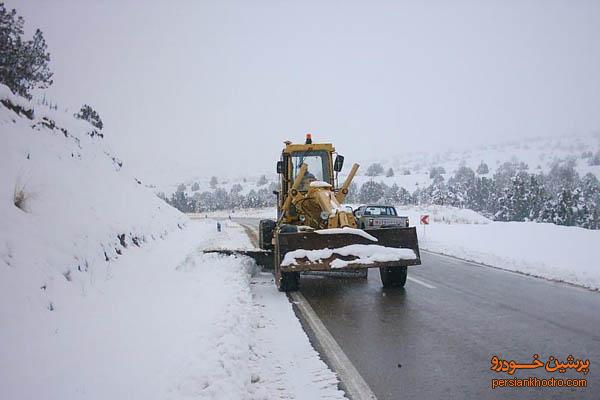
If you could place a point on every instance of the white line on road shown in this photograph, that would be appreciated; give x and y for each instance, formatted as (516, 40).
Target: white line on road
(354, 384)
(420, 282)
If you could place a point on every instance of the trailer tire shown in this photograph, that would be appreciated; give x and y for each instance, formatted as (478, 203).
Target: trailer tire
(393, 276)
(266, 227)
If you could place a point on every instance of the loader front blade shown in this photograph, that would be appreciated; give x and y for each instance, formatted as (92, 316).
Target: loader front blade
(389, 240)
(263, 258)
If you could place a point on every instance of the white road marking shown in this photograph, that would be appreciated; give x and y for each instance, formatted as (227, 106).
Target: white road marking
(420, 282)
(354, 384)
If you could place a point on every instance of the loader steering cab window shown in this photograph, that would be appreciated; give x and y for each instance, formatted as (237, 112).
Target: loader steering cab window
(318, 167)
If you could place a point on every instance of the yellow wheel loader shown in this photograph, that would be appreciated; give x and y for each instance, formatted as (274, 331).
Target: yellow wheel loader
(314, 232)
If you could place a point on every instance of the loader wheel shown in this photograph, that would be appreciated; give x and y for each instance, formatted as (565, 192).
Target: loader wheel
(289, 281)
(393, 276)
(265, 233)
(285, 281)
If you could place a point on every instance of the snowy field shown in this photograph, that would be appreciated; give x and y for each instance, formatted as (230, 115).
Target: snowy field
(562, 253)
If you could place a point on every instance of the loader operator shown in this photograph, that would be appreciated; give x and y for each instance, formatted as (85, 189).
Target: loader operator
(306, 180)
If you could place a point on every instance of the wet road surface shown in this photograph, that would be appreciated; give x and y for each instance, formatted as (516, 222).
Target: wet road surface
(435, 338)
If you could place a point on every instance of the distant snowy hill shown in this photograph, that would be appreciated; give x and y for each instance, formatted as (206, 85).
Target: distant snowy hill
(538, 153)
(67, 205)
(411, 170)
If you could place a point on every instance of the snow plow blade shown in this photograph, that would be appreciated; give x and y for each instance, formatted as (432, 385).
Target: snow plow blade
(395, 247)
(263, 258)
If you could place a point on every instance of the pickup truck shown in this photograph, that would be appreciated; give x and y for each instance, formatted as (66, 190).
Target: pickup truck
(378, 216)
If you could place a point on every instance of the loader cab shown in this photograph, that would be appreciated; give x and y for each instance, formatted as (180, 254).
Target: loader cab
(318, 158)
(319, 168)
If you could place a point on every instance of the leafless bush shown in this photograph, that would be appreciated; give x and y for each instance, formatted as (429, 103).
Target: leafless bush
(21, 197)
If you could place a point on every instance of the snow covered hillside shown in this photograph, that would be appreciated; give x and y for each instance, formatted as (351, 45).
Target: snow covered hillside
(105, 291)
(164, 321)
(411, 170)
(67, 206)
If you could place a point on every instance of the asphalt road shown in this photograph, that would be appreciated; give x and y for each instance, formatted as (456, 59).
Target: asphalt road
(434, 339)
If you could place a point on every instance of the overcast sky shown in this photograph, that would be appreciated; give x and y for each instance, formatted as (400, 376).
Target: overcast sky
(214, 88)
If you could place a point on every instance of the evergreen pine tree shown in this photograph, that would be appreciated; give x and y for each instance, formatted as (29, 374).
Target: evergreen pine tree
(375, 169)
(462, 188)
(590, 194)
(371, 192)
(483, 169)
(23, 63)
(87, 113)
(261, 181)
(438, 191)
(352, 196)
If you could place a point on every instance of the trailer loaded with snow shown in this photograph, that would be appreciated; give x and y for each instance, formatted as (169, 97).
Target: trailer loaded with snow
(313, 232)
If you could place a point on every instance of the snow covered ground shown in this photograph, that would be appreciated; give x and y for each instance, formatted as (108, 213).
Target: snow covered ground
(563, 253)
(442, 215)
(165, 321)
(105, 292)
(78, 205)
(263, 213)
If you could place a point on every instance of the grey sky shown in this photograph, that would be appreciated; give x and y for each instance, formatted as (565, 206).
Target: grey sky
(215, 87)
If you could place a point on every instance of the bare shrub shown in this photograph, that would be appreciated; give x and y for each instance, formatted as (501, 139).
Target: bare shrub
(21, 197)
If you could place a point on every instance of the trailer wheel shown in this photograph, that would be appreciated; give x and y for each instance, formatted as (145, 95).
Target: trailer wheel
(393, 276)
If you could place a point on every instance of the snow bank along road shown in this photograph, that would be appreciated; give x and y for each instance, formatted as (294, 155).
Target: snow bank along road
(164, 321)
(435, 338)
